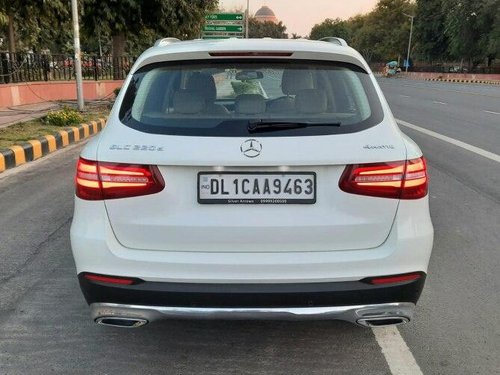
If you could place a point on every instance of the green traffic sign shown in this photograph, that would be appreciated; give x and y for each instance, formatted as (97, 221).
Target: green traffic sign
(223, 28)
(220, 37)
(224, 17)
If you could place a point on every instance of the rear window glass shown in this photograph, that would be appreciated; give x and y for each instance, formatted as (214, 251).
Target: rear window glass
(221, 98)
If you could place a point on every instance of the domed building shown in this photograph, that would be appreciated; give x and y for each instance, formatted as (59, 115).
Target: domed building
(265, 14)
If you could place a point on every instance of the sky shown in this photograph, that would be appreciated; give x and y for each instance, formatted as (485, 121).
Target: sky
(299, 16)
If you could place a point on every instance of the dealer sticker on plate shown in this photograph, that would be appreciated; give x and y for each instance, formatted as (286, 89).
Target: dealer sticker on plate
(257, 188)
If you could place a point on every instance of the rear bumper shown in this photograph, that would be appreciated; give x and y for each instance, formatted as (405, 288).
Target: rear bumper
(364, 315)
(251, 295)
(96, 249)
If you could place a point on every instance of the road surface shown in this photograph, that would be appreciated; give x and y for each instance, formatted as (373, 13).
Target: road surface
(44, 321)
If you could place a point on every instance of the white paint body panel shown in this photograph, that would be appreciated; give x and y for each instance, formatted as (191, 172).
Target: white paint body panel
(169, 236)
(407, 249)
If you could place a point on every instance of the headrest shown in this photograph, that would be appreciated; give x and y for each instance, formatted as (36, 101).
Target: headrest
(295, 80)
(204, 85)
(188, 102)
(250, 104)
(311, 101)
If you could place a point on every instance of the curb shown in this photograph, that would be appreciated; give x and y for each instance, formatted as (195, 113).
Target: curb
(36, 148)
(462, 80)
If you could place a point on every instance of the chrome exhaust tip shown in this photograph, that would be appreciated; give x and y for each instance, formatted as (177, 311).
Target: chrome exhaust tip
(115, 321)
(383, 321)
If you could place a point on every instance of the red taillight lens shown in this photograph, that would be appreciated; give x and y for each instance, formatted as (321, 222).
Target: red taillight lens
(398, 180)
(415, 184)
(101, 180)
(394, 279)
(110, 279)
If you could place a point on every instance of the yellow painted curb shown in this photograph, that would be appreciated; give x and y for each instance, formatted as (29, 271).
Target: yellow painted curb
(52, 143)
(18, 154)
(37, 148)
(2, 163)
(65, 137)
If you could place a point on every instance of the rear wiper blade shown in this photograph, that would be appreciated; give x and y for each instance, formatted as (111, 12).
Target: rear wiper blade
(269, 125)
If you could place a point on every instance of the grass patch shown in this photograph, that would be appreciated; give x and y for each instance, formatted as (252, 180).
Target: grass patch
(32, 129)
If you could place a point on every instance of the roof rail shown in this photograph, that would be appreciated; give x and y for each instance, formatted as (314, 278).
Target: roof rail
(335, 40)
(165, 42)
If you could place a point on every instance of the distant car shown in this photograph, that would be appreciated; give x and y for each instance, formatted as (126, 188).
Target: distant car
(251, 179)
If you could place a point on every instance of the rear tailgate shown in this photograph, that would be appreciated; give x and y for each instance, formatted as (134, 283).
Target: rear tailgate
(174, 220)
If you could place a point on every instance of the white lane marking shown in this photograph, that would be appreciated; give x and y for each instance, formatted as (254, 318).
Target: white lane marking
(466, 146)
(396, 352)
(442, 103)
(404, 96)
(495, 113)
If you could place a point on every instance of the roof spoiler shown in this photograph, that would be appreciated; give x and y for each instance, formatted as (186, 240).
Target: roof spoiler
(335, 40)
(165, 42)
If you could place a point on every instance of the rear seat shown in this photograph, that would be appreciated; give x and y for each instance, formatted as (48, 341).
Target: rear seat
(250, 104)
(292, 82)
(188, 103)
(311, 101)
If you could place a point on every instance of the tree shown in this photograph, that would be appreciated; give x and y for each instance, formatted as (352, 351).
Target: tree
(494, 38)
(50, 29)
(363, 37)
(7, 9)
(490, 24)
(464, 29)
(258, 29)
(468, 25)
(461, 28)
(430, 37)
(330, 27)
(382, 34)
(128, 18)
(387, 28)
(34, 32)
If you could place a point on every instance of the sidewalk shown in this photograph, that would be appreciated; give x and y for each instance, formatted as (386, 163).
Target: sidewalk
(22, 113)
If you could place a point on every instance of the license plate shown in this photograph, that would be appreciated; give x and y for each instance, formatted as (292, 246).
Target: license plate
(257, 188)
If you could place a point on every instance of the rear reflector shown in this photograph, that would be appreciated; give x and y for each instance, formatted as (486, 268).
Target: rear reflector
(394, 279)
(100, 180)
(110, 279)
(398, 180)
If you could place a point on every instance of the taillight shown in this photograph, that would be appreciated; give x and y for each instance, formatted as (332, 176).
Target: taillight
(415, 183)
(398, 180)
(120, 280)
(393, 279)
(102, 180)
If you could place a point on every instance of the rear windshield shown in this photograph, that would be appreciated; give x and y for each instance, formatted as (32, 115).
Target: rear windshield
(222, 97)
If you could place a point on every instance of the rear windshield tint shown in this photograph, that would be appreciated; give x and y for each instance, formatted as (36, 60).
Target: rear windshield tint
(221, 97)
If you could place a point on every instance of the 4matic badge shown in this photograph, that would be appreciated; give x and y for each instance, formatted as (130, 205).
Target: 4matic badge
(379, 147)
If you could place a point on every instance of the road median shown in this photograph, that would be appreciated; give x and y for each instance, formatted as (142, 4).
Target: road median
(34, 149)
(464, 80)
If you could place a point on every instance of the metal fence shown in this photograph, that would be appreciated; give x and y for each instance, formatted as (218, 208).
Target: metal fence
(29, 67)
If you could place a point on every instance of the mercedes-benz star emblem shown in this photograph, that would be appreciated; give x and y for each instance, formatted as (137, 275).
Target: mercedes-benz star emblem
(251, 148)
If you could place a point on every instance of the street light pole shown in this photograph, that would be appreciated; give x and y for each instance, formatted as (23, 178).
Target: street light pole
(78, 61)
(246, 18)
(409, 42)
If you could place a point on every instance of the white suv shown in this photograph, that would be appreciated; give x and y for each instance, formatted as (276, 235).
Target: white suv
(251, 179)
